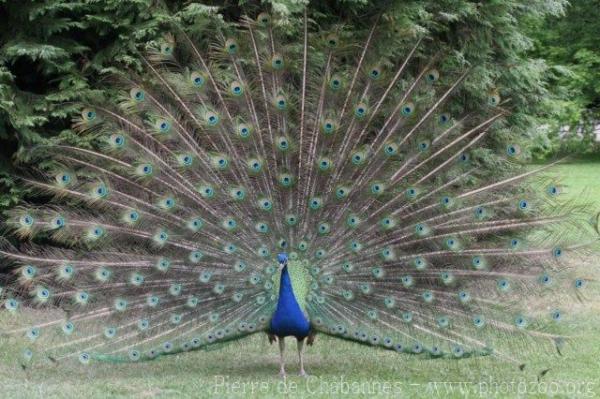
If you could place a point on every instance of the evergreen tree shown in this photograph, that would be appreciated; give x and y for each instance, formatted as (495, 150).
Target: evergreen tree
(52, 52)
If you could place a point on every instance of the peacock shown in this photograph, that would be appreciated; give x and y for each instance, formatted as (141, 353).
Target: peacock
(291, 179)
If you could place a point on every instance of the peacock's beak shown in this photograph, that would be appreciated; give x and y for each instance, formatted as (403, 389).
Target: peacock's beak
(282, 265)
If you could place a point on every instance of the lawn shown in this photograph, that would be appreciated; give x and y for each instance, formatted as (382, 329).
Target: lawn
(248, 368)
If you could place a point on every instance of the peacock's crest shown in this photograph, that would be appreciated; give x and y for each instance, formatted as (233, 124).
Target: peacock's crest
(361, 154)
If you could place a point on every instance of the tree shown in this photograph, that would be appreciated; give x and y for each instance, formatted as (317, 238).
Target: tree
(54, 52)
(571, 44)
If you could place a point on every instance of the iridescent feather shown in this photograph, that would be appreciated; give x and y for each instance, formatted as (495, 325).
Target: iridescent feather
(352, 157)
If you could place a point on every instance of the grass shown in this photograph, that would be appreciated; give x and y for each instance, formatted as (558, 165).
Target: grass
(248, 368)
(581, 180)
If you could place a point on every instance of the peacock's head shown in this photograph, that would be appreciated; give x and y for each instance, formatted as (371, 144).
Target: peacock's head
(282, 258)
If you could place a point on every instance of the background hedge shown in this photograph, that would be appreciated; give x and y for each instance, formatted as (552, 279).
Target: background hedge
(543, 54)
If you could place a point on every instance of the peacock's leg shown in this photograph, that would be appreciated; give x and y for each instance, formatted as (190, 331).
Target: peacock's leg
(300, 353)
(281, 362)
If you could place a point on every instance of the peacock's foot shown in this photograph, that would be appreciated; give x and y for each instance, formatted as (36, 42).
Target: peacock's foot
(303, 373)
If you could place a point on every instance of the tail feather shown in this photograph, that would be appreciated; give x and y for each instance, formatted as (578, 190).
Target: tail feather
(364, 156)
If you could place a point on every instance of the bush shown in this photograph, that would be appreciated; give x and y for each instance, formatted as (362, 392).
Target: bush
(54, 52)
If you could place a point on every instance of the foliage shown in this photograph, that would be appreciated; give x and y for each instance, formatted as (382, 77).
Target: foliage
(54, 53)
(571, 45)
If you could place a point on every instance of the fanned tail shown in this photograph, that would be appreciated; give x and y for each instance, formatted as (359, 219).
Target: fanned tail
(362, 153)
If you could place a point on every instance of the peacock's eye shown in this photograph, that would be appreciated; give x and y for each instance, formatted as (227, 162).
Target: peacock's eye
(283, 143)
(391, 149)
(557, 252)
(360, 111)
(88, 114)
(493, 99)
(116, 141)
(26, 220)
(325, 164)
(231, 46)
(243, 131)
(263, 18)
(64, 178)
(332, 40)
(212, 119)
(137, 94)
(512, 150)
(220, 162)
(285, 180)
(277, 62)
(236, 88)
(198, 79)
(59, 221)
(328, 127)
(553, 190)
(432, 75)
(375, 73)
(523, 204)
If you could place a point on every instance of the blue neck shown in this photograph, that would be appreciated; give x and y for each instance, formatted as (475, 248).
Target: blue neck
(285, 284)
(288, 318)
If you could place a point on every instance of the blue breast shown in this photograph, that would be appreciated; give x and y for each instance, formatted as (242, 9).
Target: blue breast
(288, 318)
